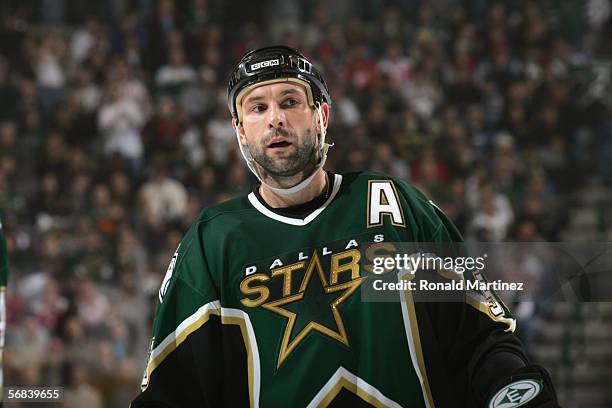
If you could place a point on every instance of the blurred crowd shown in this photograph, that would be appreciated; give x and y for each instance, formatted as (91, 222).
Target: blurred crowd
(115, 133)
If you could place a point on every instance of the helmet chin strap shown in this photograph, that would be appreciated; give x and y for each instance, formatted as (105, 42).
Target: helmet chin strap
(323, 148)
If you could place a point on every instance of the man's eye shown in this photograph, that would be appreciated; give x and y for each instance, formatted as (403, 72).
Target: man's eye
(291, 102)
(258, 108)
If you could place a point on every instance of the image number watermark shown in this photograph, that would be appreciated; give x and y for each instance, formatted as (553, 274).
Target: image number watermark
(34, 394)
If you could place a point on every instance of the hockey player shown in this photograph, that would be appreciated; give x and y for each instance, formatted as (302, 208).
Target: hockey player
(261, 305)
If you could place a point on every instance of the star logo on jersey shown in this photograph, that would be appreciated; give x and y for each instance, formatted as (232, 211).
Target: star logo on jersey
(315, 307)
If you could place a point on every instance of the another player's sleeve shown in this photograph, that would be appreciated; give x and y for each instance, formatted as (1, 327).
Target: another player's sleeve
(4, 270)
(4, 265)
(475, 335)
(188, 357)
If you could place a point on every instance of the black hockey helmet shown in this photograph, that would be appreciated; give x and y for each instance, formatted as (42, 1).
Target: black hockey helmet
(275, 64)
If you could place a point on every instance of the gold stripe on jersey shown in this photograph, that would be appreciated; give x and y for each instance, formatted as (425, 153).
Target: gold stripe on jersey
(355, 389)
(414, 338)
(181, 336)
(343, 378)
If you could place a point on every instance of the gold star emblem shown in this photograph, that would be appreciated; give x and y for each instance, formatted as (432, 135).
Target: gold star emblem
(289, 342)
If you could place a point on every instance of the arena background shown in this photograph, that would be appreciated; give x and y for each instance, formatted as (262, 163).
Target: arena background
(114, 133)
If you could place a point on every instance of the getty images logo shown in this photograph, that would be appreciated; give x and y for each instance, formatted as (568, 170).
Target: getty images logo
(264, 64)
(516, 394)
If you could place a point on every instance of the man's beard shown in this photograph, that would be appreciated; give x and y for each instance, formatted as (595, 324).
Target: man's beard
(303, 159)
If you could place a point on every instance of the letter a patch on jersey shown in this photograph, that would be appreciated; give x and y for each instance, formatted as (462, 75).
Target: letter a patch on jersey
(383, 200)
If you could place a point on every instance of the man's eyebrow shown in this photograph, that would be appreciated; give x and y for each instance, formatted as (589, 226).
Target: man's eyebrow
(253, 99)
(289, 91)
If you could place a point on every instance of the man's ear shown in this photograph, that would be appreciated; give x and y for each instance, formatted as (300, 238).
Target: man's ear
(238, 128)
(325, 114)
(325, 111)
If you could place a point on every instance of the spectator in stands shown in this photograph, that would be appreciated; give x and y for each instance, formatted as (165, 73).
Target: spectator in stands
(162, 133)
(80, 393)
(171, 78)
(120, 121)
(50, 75)
(163, 197)
(493, 216)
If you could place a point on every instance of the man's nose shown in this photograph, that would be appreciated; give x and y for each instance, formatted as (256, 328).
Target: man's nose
(276, 116)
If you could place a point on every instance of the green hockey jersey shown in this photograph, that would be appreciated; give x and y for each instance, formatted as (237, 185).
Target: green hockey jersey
(259, 309)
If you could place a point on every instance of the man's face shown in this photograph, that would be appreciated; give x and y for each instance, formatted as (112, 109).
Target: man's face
(280, 128)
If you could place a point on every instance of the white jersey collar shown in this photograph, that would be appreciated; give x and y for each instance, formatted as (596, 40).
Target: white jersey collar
(259, 206)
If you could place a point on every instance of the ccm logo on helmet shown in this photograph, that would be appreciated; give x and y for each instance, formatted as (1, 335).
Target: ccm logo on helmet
(264, 64)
